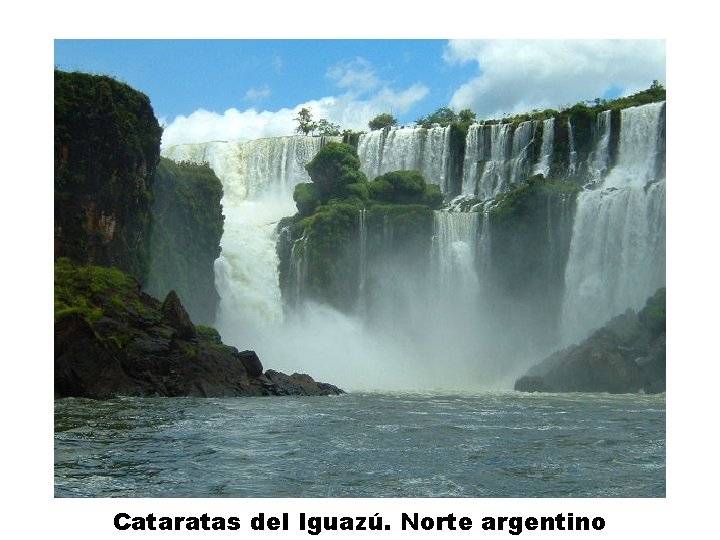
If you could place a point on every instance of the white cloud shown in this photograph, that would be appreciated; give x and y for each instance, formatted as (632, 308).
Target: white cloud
(256, 94)
(518, 76)
(347, 110)
(204, 126)
(356, 74)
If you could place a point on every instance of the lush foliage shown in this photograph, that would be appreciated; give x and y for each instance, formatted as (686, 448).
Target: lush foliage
(382, 121)
(405, 187)
(327, 128)
(652, 316)
(107, 145)
(334, 167)
(445, 116)
(306, 124)
(513, 203)
(83, 289)
(185, 241)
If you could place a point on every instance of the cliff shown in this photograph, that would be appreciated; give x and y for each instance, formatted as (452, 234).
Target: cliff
(113, 339)
(107, 145)
(346, 224)
(185, 241)
(626, 355)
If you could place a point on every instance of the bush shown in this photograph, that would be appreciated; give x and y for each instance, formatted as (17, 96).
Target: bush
(307, 197)
(335, 166)
(382, 121)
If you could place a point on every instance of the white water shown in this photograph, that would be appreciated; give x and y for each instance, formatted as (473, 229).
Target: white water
(455, 251)
(617, 251)
(439, 333)
(406, 148)
(600, 157)
(258, 178)
(496, 158)
(546, 150)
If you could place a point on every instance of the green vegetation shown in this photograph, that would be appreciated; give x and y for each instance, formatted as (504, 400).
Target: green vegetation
(306, 125)
(333, 168)
(106, 148)
(327, 128)
(185, 241)
(652, 316)
(405, 187)
(87, 289)
(398, 203)
(382, 121)
(513, 203)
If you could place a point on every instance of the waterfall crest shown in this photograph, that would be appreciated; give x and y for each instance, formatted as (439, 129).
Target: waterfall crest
(617, 251)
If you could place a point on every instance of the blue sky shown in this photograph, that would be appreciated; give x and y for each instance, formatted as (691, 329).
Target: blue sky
(234, 89)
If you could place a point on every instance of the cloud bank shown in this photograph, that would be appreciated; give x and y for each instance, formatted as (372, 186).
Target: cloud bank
(513, 76)
(363, 96)
(519, 76)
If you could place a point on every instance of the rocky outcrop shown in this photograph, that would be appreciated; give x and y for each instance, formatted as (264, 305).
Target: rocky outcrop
(185, 241)
(107, 145)
(112, 339)
(626, 355)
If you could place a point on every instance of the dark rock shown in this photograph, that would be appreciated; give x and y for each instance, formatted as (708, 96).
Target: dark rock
(251, 362)
(119, 353)
(626, 355)
(177, 317)
(297, 384)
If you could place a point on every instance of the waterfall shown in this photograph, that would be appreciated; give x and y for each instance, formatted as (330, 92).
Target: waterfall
(600, 157)
(572, 157)
(454, 251)
(421, 149)
(258, 177)
(617, 251)
(473, 157)
(363, 263)
(298, 271)
(486, 297)
(546, 150)
(519, 162)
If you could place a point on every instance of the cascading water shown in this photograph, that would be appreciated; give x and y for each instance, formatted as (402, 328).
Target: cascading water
(497, 157)
(474, 155)
(495, 172)
(600, 157)
(258, 177)
(617, 252)
(454, 251)
(420, 149)
(572, 157)
(466, 299)
(546, 150)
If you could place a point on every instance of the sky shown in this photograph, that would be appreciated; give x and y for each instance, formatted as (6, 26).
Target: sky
(205, 90)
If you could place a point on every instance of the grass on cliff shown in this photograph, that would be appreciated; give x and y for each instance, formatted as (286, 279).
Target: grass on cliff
(90, 290)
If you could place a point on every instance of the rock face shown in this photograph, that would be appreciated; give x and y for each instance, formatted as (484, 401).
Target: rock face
(107, 145)
(626, 355)
(185, 241)
(112, 339)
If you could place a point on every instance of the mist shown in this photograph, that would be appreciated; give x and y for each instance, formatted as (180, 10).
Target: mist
(477, 304)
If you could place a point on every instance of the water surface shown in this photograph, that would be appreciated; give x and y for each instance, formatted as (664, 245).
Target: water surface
(506, 444)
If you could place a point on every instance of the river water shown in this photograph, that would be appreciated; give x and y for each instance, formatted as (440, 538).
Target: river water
(492, 444)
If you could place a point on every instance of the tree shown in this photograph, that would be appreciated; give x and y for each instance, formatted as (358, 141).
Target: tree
(443, 116)
(382, 120)
(325, 127)
(335, 166)
(306, 125)
(466, 116)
